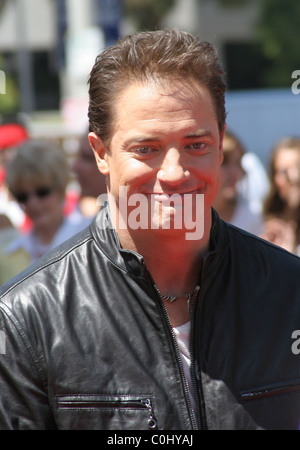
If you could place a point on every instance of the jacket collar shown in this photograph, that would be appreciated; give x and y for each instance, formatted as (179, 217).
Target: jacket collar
(107, 240)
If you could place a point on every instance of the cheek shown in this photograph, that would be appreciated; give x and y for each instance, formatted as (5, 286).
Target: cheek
(129, 173)
(211, 170)
(280, 183)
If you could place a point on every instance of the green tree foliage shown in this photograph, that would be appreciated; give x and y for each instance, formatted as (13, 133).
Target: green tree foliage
(2, 4)
(9, 101)
(278, 35)
(147, 14)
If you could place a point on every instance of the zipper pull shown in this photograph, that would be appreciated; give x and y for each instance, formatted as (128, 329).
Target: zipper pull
(152, 424)
(192, 298)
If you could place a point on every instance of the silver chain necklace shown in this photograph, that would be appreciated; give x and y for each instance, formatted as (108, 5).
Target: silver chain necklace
(173, 298)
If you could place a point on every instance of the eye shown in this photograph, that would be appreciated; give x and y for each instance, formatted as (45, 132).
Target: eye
(197, 146)
(145, 151)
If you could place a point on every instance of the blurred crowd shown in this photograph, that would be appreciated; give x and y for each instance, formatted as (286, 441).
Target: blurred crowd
(39, 209)
(262, 201)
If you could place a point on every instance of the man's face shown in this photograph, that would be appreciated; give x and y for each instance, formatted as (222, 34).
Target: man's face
(165, 141)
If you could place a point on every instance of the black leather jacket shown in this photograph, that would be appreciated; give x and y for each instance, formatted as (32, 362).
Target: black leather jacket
(86, 342)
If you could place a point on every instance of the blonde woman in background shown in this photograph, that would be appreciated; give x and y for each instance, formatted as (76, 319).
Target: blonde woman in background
(38, 177)
(282, 206)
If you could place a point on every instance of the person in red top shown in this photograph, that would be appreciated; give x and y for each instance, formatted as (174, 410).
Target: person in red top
(12, 134)
(11, 215)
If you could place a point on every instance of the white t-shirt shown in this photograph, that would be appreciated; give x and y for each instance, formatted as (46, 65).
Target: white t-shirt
(247, 219)
(36, 249)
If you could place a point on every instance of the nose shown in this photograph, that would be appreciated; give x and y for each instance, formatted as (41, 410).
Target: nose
(172, 171)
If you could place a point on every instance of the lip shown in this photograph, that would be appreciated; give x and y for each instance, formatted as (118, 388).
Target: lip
(175, 197)
(165, 198)
(169, 194)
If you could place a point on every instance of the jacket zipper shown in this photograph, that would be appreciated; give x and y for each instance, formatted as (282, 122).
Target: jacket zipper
(143, 403)
(197, 383)
(183, 377)
(192, 355)
(268, 392)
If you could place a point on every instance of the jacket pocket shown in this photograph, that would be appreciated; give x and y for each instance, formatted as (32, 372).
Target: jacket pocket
(111, 412)
(269, 391)
(273, 406)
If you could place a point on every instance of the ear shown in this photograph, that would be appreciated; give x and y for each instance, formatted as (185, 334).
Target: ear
(100, 152)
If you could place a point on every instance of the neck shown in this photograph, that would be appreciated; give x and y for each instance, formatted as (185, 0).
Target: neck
(45, 234)
(172, 260)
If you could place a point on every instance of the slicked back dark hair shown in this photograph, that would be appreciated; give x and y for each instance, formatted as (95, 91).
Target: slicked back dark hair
(153, 55)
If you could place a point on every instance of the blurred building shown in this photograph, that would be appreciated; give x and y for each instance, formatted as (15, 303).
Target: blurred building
(231, 26)
(49, 47)
(27, 40)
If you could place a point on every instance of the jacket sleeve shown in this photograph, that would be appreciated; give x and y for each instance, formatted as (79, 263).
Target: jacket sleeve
(23, 392)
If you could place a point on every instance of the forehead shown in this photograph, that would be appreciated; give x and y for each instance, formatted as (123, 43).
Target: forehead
(287, 156)
(155, 104)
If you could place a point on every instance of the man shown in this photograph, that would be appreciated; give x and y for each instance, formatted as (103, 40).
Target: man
(146, 320)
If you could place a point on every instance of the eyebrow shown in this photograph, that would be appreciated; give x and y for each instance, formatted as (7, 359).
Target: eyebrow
(199, 133)
(141, 139)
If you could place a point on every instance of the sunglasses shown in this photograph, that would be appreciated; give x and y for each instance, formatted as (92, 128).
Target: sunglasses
(41, 192)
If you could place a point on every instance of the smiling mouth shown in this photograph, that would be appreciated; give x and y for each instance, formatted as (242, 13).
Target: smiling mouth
(175, 193)
(176, 198)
